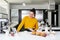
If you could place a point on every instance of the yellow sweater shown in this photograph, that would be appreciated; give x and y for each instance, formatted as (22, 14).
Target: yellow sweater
(29, 23)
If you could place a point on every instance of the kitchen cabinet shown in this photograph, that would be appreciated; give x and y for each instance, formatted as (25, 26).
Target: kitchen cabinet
(14, 15)
(2, 10)
(2, 15)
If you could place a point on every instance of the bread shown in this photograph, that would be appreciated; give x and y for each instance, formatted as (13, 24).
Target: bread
(38, 33)
(41, 34)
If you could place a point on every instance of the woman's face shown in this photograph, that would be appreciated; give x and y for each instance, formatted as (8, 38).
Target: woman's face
(31, 14)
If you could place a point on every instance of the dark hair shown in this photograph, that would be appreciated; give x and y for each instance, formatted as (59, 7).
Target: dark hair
(33, 10)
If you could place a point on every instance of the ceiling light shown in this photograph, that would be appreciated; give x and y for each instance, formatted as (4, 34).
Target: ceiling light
(24, 4)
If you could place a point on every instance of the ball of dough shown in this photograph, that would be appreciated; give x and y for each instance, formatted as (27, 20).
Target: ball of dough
(38, 33)
(41, 34)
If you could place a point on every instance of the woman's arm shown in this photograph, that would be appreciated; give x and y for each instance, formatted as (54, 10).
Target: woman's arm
(21, 25)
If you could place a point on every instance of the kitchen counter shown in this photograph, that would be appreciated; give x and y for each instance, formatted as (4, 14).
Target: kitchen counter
(28, 36)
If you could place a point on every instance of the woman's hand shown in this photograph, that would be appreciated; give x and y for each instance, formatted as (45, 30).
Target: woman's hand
(34, 32)
(17, 31)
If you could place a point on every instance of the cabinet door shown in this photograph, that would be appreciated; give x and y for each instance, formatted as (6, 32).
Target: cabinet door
(55, 19)
(2, 10)
(14, 15)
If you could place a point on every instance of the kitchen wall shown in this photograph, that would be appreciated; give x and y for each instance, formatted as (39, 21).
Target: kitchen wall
(37, 6)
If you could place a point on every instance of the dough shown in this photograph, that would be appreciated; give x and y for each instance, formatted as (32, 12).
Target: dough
(41, 34)
(34, 32)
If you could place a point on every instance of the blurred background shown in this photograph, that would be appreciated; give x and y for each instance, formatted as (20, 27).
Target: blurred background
(46, 11)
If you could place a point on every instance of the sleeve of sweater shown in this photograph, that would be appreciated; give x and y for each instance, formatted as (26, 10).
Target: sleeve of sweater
(21, 24)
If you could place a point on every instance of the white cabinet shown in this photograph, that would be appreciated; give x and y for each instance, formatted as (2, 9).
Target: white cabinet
(0, 15)
(2, 10)
(14, 15)
(3, 15)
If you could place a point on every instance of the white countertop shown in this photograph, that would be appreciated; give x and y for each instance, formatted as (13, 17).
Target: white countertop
(28, 36)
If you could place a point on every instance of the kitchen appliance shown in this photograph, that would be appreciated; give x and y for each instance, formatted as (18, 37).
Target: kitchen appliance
(1, 26)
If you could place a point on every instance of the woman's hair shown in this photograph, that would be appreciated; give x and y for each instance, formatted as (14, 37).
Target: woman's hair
(33, 10)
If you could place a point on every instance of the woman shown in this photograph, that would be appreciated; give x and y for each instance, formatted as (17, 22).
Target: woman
(29, 22)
